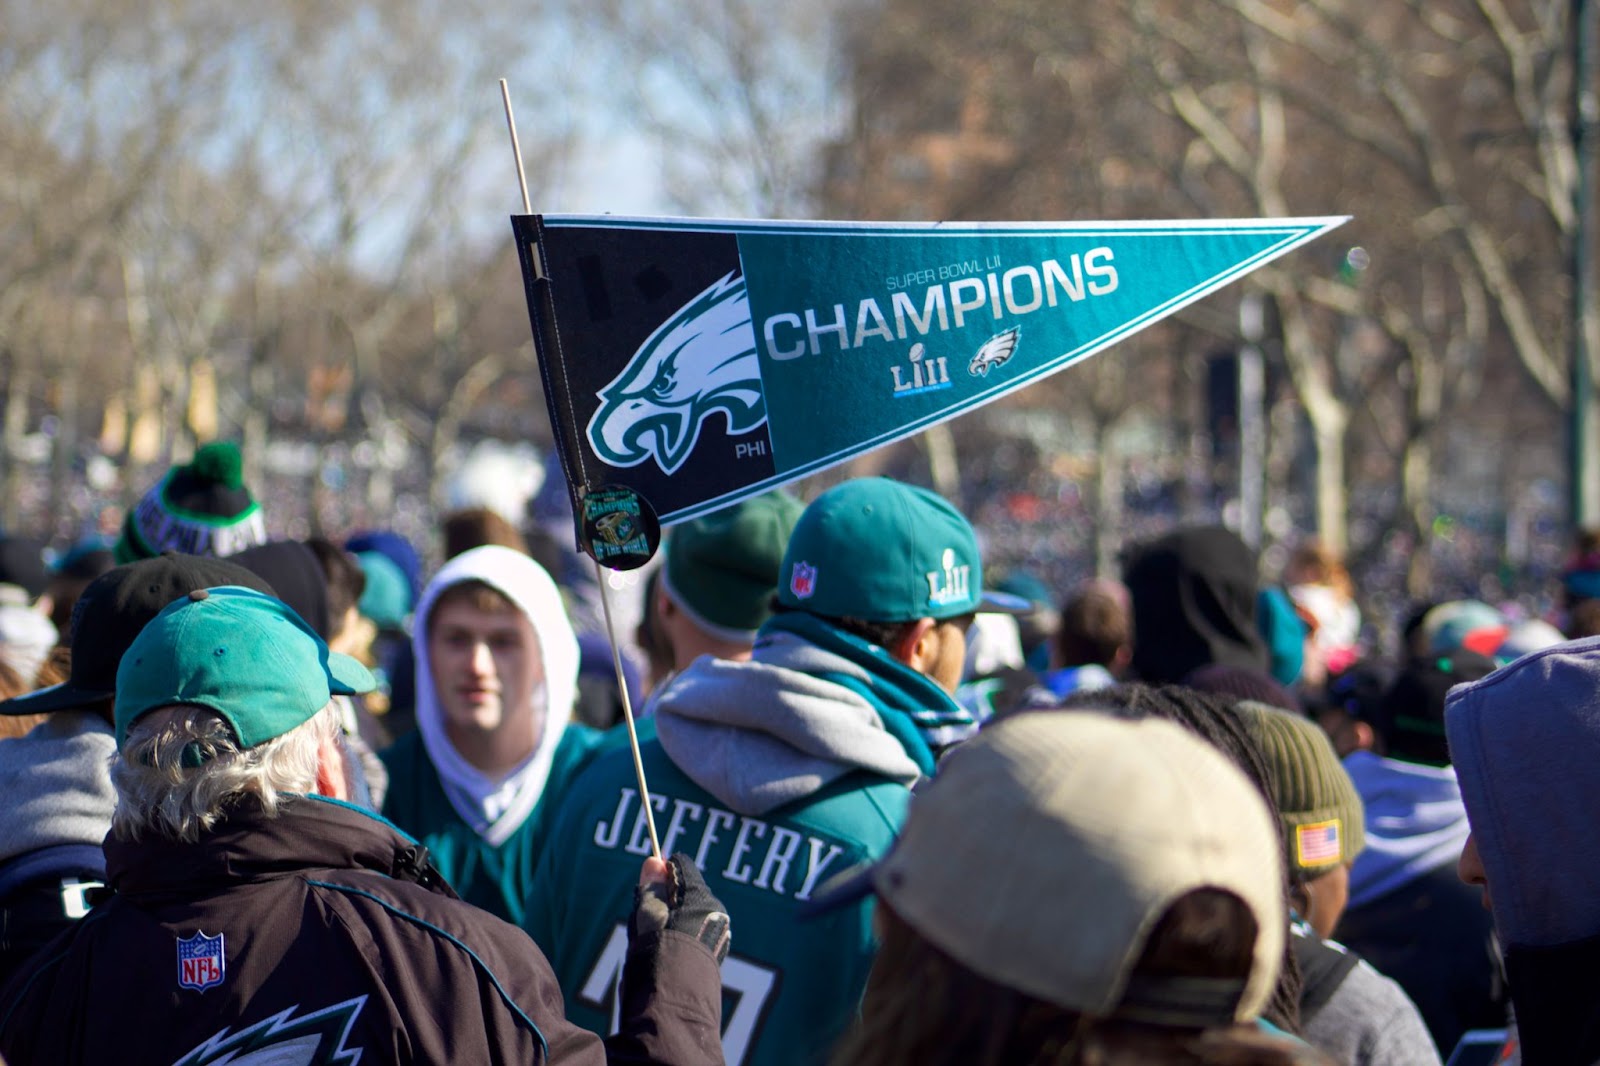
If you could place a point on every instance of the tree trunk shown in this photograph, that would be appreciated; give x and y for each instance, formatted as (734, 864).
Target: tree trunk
(18, 382)
(943, 467)
(1328, 430)
(1416, 471)
(1108, 496)
(1329, 417)
(1586, 464)
(1416, 504)
(255, 425)
(64, 448)
(469, 388)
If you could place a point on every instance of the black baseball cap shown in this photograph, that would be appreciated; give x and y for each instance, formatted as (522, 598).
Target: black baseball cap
(1410, 714)
(22, 564)
(112, 610)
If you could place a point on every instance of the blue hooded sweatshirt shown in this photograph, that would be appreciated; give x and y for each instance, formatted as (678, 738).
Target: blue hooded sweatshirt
(1415, 823)
(1525, 742)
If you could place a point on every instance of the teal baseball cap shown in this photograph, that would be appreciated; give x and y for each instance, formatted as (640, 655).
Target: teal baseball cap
(879, 550)
(244, 655)
(387, 597)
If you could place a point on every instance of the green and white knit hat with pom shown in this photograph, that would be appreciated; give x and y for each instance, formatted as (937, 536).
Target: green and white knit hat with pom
(201, 508)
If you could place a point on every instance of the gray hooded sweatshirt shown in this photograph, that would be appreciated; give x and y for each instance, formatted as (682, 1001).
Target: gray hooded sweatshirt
(760, 734)
(55, 784)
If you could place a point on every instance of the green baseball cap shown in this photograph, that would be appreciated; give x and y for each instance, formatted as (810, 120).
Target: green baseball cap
(387, 597)
(244, 655)
(883, 551)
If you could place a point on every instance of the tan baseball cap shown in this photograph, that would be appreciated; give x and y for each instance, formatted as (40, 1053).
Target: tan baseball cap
(1048, 846)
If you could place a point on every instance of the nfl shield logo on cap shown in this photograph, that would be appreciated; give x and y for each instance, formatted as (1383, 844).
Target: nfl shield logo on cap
(201, 963)
(803, 582)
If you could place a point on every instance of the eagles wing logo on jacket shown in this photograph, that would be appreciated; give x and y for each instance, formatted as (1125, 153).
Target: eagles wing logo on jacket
(700, 361)
(316, 1039)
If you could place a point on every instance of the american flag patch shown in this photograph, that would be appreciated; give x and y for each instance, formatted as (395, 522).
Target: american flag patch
(1318, 844)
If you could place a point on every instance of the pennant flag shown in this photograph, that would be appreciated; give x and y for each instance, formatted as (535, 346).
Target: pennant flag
(698, 362)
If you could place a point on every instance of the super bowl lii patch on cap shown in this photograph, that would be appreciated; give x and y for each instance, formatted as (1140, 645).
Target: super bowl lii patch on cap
(1318, 843)
(620, 528)
(951, 583)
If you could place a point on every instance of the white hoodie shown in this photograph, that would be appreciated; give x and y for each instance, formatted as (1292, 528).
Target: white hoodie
(496, 807)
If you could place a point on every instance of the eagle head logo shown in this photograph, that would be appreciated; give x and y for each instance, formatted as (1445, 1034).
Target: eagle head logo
(996, 352)
(700, 361)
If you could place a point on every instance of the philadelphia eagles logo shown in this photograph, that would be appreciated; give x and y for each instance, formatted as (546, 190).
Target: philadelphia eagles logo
(996, 351)
(316, 1039)
(700, 361)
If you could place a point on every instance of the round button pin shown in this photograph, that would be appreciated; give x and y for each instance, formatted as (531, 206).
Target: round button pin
(620, 528)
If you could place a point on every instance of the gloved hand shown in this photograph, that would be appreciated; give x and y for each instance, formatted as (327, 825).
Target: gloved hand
(679, 901)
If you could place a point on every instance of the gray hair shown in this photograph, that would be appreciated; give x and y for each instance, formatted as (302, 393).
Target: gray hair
(181, 771)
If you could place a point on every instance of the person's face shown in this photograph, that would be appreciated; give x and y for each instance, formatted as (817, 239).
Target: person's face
(486, 667)
(354, 635)
(1345, 731)
(1470, 869)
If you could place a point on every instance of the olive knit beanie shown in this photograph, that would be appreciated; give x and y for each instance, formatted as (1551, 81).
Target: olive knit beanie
(1318, 804)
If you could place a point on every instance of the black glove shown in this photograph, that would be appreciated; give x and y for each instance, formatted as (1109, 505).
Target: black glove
(684, 905)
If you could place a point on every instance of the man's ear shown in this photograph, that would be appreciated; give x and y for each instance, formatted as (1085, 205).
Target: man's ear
(333, 779)
(1365, 737)
(665, 608)
(1300, 898)
(915, 647)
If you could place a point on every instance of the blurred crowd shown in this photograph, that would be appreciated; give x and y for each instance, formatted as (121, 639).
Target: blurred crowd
(364, 798)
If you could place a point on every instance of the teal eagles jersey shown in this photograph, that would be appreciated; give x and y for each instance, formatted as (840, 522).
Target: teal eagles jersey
(496, 878)
(790, 987)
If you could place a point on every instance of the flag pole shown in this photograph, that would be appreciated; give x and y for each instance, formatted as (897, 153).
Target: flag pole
(627, 709)
(599, 572)
(516, 147)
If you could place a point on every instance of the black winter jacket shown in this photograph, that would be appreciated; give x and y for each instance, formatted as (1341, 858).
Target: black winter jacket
(317, 935)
